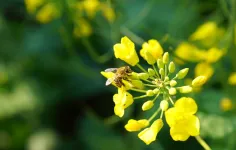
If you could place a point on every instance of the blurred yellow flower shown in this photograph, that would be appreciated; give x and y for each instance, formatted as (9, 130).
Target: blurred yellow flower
(204, 69)
(226, 104)
(153, 49)
(213, 55)
(199, 81)
(47, 13)
(122, 100)
(189, 52)
(32, 5)
(108, 12)
(232, 79)
(136, 125)
(82, 28)
(126, 51)
(91, 7)
(181, 119)
(149, 135)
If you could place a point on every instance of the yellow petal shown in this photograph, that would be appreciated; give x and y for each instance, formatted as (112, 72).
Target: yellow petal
(186, 105)
(148, 135)
(193, 126)
(232, 79)
(171, 115)
(204, 69)
(213, 55)
(119, 110)
(178, 133)
(134, 125)
(226, 104)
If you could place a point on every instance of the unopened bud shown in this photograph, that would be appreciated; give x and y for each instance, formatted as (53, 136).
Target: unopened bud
(182, 73)
(173, 83)
(167, 79)
(171, 67)
(147, 105)
(143, 76)
(164, 105)
(156, 91)
(134, 75)
(172, 91)
(162, 72)
(149, 93)
(199, 81)
(166, 58)
(160, 63)
(151, 72)
(185, 89)
(137, 83)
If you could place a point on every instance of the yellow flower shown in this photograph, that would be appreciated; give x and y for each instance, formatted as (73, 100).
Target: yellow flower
(153, 49)
(126, 51)
(232, 79)
(108, 12)
(199, 81)
(181, 119)
(213, 55)
(189, 52)
(204, 69)
(148, 135)
(47, 13)
(82, 28)
(32, 5)
(91, 7)
(136, 125)
(226, 104)
(122, 100)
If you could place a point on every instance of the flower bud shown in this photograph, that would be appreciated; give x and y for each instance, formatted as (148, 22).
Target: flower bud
(137, 83)
(199, 81)
(166, 58)
(182, 73)
(143, 76)
(185, 89)
(156, 91)
(167, 79)
(172, 91)
(149, 93)
(134, 75)
(160, 63)
(164, 105)
(173, 83)
(171, 67)
(162, 72)
(151, 72)
(147, 105)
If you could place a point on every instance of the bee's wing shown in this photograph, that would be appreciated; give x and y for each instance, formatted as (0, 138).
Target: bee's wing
(109, 81)
(110, 69)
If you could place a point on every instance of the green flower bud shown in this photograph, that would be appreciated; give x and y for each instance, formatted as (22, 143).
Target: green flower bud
(164, 105)
(172, 91)
(162, 72)
(160, 63)
(182, 73)
(167, 79)
(173, 83)
(185, 89)
(147, 105)
(143, 76)
(137, 83)
(149, 93)
(156, 91)
(171, 67)
(166, 58)
(134, 75)
(199, 81)
(151, 72)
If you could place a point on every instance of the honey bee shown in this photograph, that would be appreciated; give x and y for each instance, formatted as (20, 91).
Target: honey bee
(121, 73)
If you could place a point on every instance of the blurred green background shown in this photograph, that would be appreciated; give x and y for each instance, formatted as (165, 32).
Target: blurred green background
(52, 95)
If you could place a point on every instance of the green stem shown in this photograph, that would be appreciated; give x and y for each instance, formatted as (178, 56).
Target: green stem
(93, 54)
(150, 85)
(132, 35)
(161, 115)
(154, 115)
(141, 68)
(147, 81)
(156, 71)
(138, 90)
(171, 100)
(139, 97)
(202, 143)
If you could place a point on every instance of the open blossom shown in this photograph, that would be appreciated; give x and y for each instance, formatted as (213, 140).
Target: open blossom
(181, 119)
(122, 100)
(126, 51)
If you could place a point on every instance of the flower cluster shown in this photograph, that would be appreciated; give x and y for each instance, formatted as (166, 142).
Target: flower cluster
(160, 81)
(202, 48)
(46, 11)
